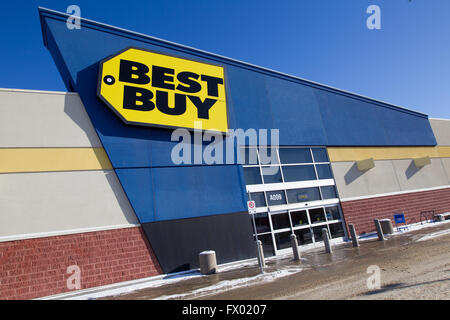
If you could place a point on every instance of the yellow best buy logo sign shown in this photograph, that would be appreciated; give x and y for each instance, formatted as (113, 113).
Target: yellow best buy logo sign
(152, 89)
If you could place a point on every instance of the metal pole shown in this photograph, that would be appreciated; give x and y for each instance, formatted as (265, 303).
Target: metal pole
(294, 245)
(259, 248)
(353, 235)
(326, 240)
(262, 263)
(379, 230)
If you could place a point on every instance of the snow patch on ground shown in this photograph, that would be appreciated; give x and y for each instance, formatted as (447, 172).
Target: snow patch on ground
(434, 235)
(151, 282)
(410, 227)
(240, 265)
(233, 284)
(125, 287)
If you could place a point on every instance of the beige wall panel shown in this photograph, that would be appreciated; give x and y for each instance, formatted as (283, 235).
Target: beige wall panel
(353, 183)
(44, 119)
(446, 165)
(60, 201)
(441, 130)
(429, 176)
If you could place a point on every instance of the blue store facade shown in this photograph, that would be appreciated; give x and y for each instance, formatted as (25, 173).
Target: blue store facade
(185, 209)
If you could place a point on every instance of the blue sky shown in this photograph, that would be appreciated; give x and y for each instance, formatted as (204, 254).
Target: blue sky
(406, 63)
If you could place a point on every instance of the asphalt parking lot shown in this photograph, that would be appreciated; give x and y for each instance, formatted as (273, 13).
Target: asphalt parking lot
(411, 265)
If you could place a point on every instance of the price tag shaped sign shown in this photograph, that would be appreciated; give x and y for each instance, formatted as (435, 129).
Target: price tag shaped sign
(251, 206)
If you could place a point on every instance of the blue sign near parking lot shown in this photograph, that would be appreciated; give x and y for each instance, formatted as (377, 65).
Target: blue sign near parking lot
(399, 218)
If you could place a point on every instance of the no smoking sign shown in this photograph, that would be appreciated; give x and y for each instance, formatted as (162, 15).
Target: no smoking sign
(251, 206)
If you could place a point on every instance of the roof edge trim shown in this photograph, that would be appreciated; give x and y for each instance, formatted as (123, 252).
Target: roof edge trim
(45, 12)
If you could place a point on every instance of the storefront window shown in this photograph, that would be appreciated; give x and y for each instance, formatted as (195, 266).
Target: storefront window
(283, 240)
(317, 215)
(295, 155)
(320, 154)
(304, 236)
(336, 230)
(299, 173)
(262, 222)
(299, 218)
(333, 213)
(303, 177)
(324, 171)
(280, 221)
(328, 192)
(267, 244)
(318, 233)
(268, 156)
(271, 174)
(303, 195)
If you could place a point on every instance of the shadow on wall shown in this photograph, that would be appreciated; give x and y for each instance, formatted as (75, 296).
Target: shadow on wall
(411, 170)
(121, 197)
(352, 174)
(74, 109)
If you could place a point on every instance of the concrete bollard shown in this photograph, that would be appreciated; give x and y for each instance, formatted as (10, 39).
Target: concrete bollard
(326, 240)
(379, 231)
(355, 241)
(294, 245)
(208, 263)
(386, 226)
(261, 261)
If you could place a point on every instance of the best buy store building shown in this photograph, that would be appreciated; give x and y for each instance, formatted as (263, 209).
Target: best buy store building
(87, 178)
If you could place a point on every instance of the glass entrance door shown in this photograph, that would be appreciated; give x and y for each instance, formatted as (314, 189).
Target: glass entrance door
(295, 194)
(274, 229)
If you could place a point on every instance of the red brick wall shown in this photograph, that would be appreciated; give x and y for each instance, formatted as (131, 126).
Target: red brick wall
(362, 212)
(38, 267)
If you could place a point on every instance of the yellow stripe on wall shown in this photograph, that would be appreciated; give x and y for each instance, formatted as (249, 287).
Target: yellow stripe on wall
(52, 159)
(386, 153)
(444, 152)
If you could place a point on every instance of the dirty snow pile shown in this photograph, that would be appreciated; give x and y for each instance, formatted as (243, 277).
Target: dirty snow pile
(233, 284)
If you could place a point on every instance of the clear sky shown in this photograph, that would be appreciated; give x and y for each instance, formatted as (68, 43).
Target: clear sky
(406, 62)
